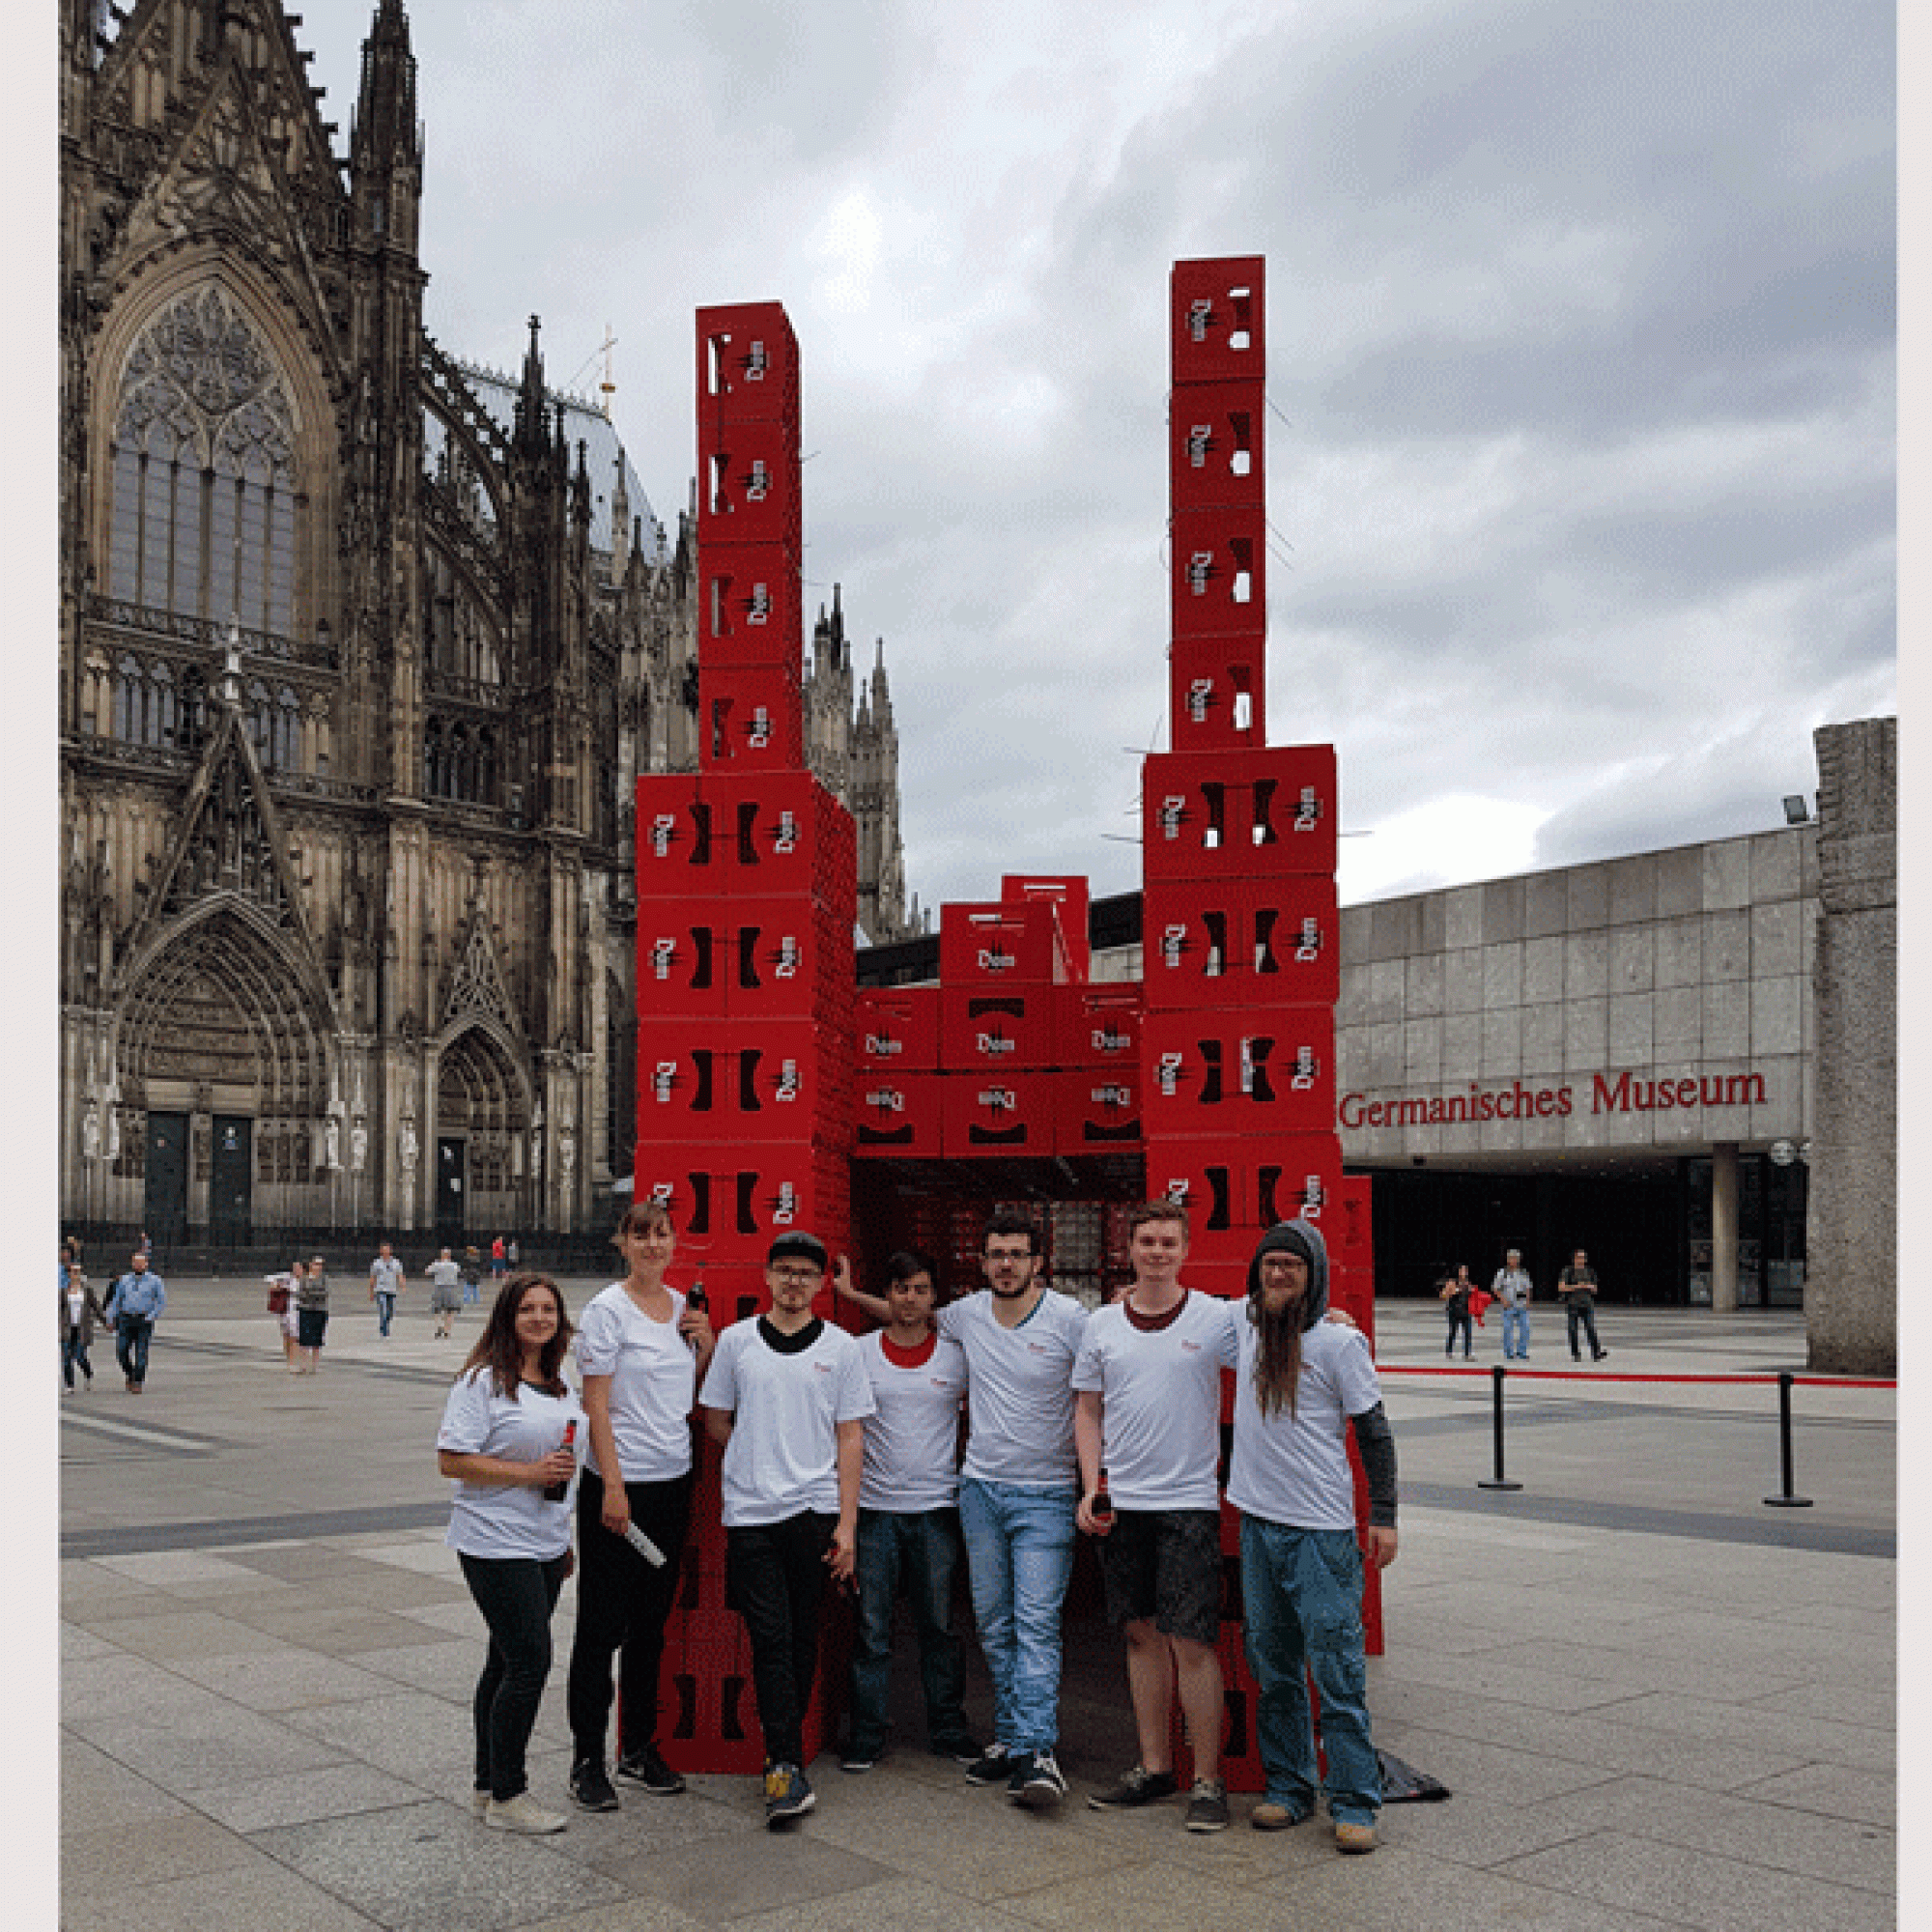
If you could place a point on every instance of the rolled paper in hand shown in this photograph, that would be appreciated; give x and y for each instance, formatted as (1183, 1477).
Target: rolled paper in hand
(643, 1546)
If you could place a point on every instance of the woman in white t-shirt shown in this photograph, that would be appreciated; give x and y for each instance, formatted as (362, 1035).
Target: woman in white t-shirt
(506, 1437)
(642, 1352)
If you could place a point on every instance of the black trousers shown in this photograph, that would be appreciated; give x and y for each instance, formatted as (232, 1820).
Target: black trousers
(623, 1603)
(516, 1596)
(1583, 1314)
(775, 1579)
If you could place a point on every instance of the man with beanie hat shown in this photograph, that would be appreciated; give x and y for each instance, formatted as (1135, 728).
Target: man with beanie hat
(786, 1397)
(1301, 1383)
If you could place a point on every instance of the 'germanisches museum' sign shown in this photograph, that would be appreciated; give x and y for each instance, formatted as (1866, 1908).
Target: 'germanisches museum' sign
(1606, 1093)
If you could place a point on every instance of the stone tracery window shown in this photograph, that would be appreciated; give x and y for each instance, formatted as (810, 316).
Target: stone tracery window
(205, 488)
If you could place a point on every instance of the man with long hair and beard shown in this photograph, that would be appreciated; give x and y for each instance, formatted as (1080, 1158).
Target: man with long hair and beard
(1301, 1384)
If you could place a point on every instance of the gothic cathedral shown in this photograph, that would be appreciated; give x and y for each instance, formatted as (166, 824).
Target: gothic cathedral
(362, 646)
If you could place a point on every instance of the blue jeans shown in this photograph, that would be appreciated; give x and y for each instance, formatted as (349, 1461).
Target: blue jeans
(1515, 1331)
(74, 1350)
(386, 1309)
(1301, 1593)
(130, 1346)
(923, 1548)
(1019, 1556)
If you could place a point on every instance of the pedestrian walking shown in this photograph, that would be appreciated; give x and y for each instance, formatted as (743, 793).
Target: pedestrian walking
(79, 1310)
(1454, 1293)
(137, 1301)
(282, 1306)
(506, 1436)
(311, 1298)
(1577, 1290)
(445, 1293)
(1512, 1289)
(386, 1286)
(472, 1273)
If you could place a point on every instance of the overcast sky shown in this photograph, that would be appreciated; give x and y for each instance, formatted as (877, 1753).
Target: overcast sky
(1580, 350)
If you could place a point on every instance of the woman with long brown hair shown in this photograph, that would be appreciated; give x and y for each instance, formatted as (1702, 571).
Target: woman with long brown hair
(642, 1354)
(506, 1436)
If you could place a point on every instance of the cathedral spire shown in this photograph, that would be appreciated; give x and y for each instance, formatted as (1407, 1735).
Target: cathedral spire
(530, 396)
(385, 138)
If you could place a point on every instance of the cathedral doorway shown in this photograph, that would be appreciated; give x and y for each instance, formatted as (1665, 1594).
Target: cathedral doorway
(229, 1180)
(450, 1179)
(483, 1126)
(164, 1194)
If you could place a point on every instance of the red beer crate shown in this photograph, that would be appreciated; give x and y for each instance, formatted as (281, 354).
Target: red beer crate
(750, 718)
(788, 958)
(1096, 1109)
(1215, 440)
(1217, 319)
(1243, 940)
(748, 1080)
(774, 834)
(984, 1030)
(897, 1028)
(1068, 893)
(1099, 1025)
(988, 944)
(1350, 1227)
(1217, 693)
(729, 1204)
(1296, 1177)
(1247, 814)
(1352, 1291)
(996, 1114)
(748, 365)
(751, 491)
(750, 608)
(1263, 1072)
(683, 960)
(1218, 572)
(898, 1115)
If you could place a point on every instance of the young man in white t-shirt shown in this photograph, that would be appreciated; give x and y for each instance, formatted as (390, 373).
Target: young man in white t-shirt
(786, 1397)
(385, 1284)
(1301, 1385)
(909, 1519)
(1018, 1488)
(1148, 1410)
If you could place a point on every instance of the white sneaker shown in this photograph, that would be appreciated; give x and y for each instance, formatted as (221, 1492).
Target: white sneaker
(523, 1813)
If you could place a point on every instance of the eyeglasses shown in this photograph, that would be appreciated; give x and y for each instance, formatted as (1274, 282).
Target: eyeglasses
(798, 1277)
(1281, 1263)
(995, 1255)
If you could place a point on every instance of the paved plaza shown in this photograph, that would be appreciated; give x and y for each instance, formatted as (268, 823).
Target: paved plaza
(1657, 1701)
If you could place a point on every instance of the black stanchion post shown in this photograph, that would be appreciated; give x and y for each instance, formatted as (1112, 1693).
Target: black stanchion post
(1498, 1481)
(1787, 1500)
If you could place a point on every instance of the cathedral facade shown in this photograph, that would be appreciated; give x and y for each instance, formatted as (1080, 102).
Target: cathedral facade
(362, 646)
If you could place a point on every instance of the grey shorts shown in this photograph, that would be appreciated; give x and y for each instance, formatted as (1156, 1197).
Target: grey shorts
(1165, 1565)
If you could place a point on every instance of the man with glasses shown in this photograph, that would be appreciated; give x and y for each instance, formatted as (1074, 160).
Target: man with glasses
(1018, 1488)
(786, 1396)
(1577, 1290)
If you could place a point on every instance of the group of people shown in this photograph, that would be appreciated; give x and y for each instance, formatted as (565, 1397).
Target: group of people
(842, 1467)
(1464, 1302)
(134, 1304)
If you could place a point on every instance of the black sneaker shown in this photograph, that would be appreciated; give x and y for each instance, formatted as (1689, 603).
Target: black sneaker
(788, 1794)
(590, 1786)
(960, 1749)
(644, 1766)
(993, 1765)
(1207, 1807)
(1599, 1354)
(1035, 1782)
(1138, 1786)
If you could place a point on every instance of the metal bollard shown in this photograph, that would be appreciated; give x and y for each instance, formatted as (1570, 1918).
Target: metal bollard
(1498, 1481)
(1786, 1500)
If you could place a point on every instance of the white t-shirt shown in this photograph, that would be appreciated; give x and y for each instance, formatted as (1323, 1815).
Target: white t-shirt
(1019, 1390)
(1160, 1424)
(386, 1276)
(912, 1440)
(76, 1306)
(653, 1383)
(783, 1456)
(499, 1519)
(1294, 1470)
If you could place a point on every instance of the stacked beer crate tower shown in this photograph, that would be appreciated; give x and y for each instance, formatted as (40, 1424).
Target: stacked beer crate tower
(1239, 916)
(747, 900)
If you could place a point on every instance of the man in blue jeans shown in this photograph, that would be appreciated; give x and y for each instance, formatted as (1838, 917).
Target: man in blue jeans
(134, 1304)
(1019, 1488)
(1301, 1385)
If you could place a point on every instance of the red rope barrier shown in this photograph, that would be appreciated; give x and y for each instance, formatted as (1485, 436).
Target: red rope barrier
(1613, 1375)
